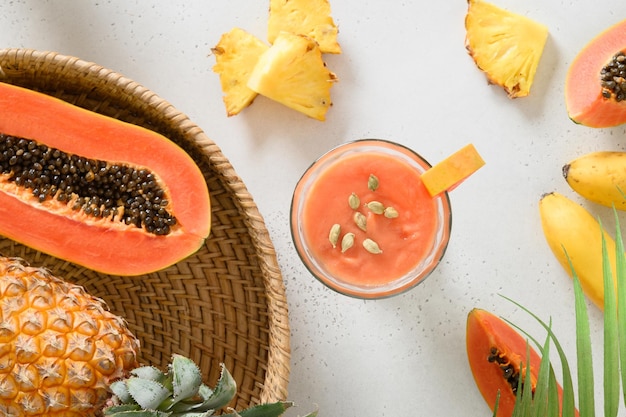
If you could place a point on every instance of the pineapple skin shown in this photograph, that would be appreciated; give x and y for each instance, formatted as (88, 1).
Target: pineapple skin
(293, 73)
(236, 54)
(506, 46)
(304, 17)
(59, 346)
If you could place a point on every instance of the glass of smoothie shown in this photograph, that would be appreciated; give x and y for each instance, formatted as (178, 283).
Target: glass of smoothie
(363, 222)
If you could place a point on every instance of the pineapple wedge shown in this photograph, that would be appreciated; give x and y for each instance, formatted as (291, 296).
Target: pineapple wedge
(236, 54)
(293, 73)
(506, 46)
(304, 17)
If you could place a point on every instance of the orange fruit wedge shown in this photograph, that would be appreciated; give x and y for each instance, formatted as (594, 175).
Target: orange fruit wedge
(449, 173)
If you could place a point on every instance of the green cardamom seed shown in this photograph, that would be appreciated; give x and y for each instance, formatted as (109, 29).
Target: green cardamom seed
(333, 236)
(360, 220)
(347, 242)
(372, 182)
(371, 246)
(376, 207)
(354, 201)
(390, 213)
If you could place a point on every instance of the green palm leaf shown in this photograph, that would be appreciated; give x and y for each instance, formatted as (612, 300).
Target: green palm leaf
(620, 271)
(611, 341)
(586, 403)
(540, 404)
(614, 350)
(568, 401)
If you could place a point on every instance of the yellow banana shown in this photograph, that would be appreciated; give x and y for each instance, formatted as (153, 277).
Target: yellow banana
(570, 228)
(599, 177)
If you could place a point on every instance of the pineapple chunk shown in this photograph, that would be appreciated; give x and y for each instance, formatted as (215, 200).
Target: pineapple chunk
(236, 54)
(293, 73)
(304, 17)
(504, 45)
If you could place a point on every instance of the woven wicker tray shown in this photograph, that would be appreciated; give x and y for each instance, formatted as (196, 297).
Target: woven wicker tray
(224, 304)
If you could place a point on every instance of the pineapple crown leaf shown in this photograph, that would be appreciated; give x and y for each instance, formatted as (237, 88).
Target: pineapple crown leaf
(127, 411)
(186, 377)
(223, 393)
(274, 409)
(147, 393)
(208, 413)
(185, 407)
(178, 393)
(121, 410)
(120, 390)
(266, 410)
(148, 372)
(151, 393)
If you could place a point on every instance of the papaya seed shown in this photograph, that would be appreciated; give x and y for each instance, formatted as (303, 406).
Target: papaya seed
(613, 77)
(508, 371)
(98, 188)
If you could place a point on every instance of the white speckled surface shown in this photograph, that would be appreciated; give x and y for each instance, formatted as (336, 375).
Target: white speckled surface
(405, 76)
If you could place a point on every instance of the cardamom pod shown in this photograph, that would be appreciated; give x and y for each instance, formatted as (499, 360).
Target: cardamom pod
(347, 242)
(371, 246)
(333, 236)
(360, 220)
(376, 207)
(390, 213)
(354, 201)
(372, 182)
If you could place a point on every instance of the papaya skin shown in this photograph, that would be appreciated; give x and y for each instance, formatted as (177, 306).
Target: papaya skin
(583, 93)
(102, 245)
(486, 334)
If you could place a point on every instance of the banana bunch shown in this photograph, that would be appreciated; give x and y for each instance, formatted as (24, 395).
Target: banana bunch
(599, 177)
(575, 236)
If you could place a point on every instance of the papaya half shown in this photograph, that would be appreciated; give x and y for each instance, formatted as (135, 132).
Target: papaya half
(105, 194)
(595, 84)
(496, 354)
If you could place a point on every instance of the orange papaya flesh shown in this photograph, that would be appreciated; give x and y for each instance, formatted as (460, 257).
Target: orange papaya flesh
(496, 355)
(60, 206)
(593, 94)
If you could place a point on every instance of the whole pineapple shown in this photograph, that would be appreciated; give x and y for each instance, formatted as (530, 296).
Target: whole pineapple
(59, 346)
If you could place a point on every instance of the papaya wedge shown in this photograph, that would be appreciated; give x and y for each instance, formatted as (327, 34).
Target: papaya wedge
(108, 195)
(595, 86)
(497, 356)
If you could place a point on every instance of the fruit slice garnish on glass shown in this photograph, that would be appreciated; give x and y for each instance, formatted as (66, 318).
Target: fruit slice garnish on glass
(453, 170)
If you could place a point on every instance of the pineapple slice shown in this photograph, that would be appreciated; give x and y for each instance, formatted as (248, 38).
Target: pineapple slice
(304, 17)
(504, 45)
(236, 54)
(293, 73)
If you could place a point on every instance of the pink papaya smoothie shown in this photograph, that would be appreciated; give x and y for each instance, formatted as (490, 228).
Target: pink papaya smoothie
(410, 236)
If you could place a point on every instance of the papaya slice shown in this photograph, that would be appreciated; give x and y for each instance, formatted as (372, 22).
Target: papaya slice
(453, 170)
(496, 355)
(101, 193)
(595, 84)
